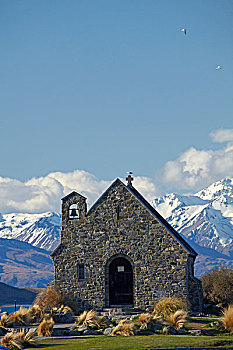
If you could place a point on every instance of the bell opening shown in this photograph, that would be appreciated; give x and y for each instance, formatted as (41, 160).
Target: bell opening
(73, 211)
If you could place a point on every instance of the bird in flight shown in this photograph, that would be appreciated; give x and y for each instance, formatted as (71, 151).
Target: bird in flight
(184, 30)
(218, 67)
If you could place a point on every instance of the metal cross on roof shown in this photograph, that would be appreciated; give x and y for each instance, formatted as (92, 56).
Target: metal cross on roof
(129, 179)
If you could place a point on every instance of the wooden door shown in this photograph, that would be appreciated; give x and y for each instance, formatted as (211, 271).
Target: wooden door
(120, 282)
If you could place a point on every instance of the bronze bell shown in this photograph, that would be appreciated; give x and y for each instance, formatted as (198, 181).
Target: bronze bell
(74, 213)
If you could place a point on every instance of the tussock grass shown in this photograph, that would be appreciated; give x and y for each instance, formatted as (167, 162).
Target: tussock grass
(48, 299)
(177, 319)
(21, 317)
(227, 318)
(4, 320)
(20, 340)
(17, 318)
(169, 305)
(125, 327)
(144, 318)
(34, 314)
(29, 338)
(45, 328)
(81, 318)
(12, 340)
(103, 322)
(65, 309)
(88, 318)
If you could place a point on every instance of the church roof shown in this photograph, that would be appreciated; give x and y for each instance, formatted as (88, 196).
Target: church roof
(153, 212)
(70, 195)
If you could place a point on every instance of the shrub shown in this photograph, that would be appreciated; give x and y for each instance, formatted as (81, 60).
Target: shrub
(227, 318)
(48, 299)
(169, 305)
(218, 286)
(124, 327)
(45, 328)
(177, 319)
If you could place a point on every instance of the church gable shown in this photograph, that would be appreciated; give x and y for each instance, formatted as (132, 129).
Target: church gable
(124, 203)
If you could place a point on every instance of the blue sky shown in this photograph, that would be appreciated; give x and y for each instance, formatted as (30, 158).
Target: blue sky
(111, 86)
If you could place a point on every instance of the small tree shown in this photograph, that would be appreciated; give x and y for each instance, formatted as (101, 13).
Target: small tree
(218, 286)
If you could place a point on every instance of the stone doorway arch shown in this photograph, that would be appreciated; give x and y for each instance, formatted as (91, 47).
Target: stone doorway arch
(120, 281)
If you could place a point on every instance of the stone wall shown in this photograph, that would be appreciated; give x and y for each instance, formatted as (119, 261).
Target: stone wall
(119, 225)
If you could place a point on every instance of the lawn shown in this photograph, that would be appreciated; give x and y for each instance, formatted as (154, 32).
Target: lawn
(133, 343)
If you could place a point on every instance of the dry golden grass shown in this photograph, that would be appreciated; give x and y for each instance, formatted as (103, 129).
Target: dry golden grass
(144, 318)
(48, 299)
(21, 317)
(65, 309)
(88, 317)
(91, 318)
(34, 314)
(17, 318)
(169, 305)
(81, 318)
(103, 322)
(177, 319)
(62, 308)
(12, 340)
(45, 328)
(4, 320)
(125, 327)
(29, 338)
(227, 318)
(20, 339)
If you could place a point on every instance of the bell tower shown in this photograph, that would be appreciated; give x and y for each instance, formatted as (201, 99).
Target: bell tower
(74, 208)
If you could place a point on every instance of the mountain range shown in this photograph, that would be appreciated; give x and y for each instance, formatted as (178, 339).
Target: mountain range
(205, 219)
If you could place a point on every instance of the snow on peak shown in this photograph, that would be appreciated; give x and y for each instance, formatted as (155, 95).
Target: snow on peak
(206, 217)
(41, 230)
(222, 187)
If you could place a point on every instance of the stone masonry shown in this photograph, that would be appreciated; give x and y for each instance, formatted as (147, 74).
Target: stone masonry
(122, 224)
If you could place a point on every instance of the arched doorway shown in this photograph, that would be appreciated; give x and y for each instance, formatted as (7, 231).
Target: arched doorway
(120, 282)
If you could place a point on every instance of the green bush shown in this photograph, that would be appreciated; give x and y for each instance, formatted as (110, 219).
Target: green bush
(218, 286)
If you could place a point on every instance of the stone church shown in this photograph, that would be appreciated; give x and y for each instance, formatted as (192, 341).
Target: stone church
(122, 253)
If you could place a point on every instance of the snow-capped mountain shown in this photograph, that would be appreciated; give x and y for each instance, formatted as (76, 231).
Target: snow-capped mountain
(205, 218)
(40, 230)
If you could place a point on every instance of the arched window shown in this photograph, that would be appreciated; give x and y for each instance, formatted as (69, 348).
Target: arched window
(73, 211)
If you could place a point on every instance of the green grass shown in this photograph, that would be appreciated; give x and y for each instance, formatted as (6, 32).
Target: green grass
(204, 319)
(133, 343)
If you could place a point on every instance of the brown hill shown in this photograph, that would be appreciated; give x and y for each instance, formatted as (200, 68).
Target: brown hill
(9, 294)
(23, 265)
